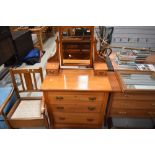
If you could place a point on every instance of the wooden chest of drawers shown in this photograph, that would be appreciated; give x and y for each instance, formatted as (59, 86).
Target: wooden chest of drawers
(77, 98)
(76, 109)
(132, 104)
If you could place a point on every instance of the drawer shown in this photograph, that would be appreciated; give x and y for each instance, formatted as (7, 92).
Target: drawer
(132, 113)
(77, 126)
(75, 107)
(65, 98)
(136, 104)
(134, 96)
(52, 71)
(74, 118)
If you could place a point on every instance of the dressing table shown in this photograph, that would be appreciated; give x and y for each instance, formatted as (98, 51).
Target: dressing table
(76, 89)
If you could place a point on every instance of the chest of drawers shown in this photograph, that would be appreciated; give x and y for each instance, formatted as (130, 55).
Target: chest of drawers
(125, 103)
(76, 109)
(137, 98)
(77, 98)
(132, 105)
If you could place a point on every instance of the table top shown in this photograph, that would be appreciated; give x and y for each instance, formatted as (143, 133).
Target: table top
(80, 80)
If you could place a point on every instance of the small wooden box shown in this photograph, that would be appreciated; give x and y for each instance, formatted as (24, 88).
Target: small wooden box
(100, 69)
(52, 68)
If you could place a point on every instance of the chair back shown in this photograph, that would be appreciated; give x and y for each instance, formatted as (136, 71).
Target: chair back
(27, 78)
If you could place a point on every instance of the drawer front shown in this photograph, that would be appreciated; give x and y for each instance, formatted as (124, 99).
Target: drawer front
(134, 96)
(65, 98)
(132, 113)
(136, 104)
(77, 118)
(52, 71)
(75, 107)
(77, 126)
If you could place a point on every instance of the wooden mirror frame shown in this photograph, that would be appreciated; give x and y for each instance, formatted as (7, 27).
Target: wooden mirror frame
(60, 42)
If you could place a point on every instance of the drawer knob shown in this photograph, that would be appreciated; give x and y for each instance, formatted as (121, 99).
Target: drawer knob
(91, 108)
(90, 119)
(62, 118)
(92, 98)
(60, 108)
(59, 97)
(122, 112)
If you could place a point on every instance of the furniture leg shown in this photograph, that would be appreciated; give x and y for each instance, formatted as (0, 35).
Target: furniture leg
(39, 36)
(109, 121)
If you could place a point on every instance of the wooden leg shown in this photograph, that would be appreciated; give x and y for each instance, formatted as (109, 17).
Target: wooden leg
(39, 36)
(46, 122)
(52, 123)
(6, 121)
(109, 121)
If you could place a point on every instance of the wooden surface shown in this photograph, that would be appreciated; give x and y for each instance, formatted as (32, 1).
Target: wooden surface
(52, 68)
(27, 79)
(76, 108)
(75, 62)
(100, 66)
(80, 80)
(150, 59)
(100, 69)
(53, 65)
(78, 98)
(143, 103)
(133, 104)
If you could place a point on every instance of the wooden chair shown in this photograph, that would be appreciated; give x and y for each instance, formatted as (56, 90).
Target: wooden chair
(27, 112)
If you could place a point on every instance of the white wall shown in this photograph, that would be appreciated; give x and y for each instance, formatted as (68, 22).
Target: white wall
(134, 36)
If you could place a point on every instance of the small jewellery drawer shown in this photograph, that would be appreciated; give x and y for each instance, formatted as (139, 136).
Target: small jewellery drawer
(52, 71)
(85, 118)
(53, 98)
(136, 104)
(132, 113)
(75, 107)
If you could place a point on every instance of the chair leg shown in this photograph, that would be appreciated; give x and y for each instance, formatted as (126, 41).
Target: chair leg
(6, 121)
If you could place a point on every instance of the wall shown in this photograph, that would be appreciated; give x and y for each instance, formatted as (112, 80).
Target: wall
(134, 36)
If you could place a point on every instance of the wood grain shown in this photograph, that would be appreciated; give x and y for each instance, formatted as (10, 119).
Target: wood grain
(78, 80)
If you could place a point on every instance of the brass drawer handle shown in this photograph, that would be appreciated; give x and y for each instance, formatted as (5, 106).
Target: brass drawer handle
(90, 119)
(59, 97)
(60, 108)
(92, 98)
(91, 108)
(62, 118)
(128, 95)
(122, 112)
(151, 113)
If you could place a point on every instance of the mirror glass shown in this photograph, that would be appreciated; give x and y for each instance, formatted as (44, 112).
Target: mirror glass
(76, 46)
